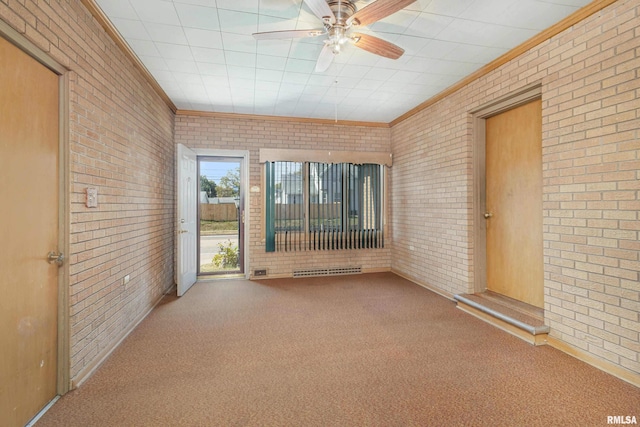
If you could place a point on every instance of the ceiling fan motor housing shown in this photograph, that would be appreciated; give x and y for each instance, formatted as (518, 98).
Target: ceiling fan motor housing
(342, 11)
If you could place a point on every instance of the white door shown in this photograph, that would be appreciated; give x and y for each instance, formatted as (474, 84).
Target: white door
(187, 217)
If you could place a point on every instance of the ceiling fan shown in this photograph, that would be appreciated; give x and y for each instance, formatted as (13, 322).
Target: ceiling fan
(338, 17)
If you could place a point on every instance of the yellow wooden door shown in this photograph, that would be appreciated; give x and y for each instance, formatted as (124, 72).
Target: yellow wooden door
(28, 232)
(514, 203)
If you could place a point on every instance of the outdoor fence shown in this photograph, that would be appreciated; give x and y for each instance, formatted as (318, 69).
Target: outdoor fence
(218, 212)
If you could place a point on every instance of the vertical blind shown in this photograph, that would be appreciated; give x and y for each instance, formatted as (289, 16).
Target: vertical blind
(323, 206)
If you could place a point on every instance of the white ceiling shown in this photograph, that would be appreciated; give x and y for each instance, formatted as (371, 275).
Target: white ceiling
(203, 55)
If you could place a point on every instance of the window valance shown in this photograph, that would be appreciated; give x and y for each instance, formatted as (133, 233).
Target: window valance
(325, 156)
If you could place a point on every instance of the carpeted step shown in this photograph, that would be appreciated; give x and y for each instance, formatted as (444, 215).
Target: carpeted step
(520, 319)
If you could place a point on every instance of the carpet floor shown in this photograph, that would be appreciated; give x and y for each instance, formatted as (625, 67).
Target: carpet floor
(362, 350)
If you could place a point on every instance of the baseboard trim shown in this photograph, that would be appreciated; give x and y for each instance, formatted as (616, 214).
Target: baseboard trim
(86, 372)
(432, 288)
(608, 367)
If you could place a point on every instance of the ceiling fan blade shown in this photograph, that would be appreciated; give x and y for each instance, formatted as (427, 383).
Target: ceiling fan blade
(376, 45)
(290, 34)
(325, 59)
(321, 9)
(377, 10)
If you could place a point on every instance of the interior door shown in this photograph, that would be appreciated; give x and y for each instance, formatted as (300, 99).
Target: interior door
(514, 203)
(29, 206)
(187, 218)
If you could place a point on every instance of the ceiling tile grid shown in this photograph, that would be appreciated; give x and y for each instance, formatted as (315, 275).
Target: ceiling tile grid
(202, 53)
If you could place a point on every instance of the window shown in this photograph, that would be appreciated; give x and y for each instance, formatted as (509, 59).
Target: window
(323, 206)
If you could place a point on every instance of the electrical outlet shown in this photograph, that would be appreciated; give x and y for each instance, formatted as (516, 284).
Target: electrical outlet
(125, 280)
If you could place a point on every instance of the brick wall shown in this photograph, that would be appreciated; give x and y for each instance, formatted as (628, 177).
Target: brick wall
(121, 141)
(590, 77)
(242, 134)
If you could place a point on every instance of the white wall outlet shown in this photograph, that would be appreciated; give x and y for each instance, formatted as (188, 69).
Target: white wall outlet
(92, 197)
(125, 279)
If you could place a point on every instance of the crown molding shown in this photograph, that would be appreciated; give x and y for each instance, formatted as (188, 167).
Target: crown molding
(237, 116)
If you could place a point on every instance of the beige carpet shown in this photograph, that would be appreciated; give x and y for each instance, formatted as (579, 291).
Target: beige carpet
(363, 350)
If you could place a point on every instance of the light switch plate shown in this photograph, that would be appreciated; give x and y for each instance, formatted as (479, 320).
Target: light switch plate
(92, 197)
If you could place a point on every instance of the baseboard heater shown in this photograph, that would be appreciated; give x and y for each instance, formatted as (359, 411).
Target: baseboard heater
(332, 271)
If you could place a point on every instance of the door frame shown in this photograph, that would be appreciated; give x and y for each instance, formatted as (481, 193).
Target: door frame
(479, 116)
(63, 350)
(243, 156)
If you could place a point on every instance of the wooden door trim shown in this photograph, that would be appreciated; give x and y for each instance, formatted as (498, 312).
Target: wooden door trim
(64, 218)
(480, 115)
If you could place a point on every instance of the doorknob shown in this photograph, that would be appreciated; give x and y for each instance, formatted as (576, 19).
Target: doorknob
(58, 258)
(488, 215)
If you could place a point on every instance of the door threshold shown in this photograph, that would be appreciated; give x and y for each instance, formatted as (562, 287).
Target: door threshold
(517, 318)
(214, 277)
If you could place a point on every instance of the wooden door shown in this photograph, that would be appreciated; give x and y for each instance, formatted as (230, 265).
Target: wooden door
(29, 138)
(514, 201)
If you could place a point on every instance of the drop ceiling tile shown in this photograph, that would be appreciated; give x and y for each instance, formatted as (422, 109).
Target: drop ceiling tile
(293, 78)
(238, 22)
(382, 74)
(396, 23)
(205, 18)
(240, 59)
(182, 66)
(163, 76)
(288, 9)
(208, 55)
(535, 15)
(143, 47)
(239, 5)
(130, 29)
(447, 7)
(354, 71)
(239, 42)
(166, 33)
(272, 23)
(118, 9)
(154, 63)
(211, 3)
(438, 49)
(321, 80)
(241, 73)
(412, 45)
(175, 51)
(156, 11)
(300, 66)
(269, 62)
(203, 38)
(304, 51)
(477, 54)
(269, 75)
(274, 47)
(428, 25)
(215, 82)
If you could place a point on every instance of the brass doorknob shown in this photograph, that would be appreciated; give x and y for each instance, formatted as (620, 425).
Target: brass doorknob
(488, 215)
